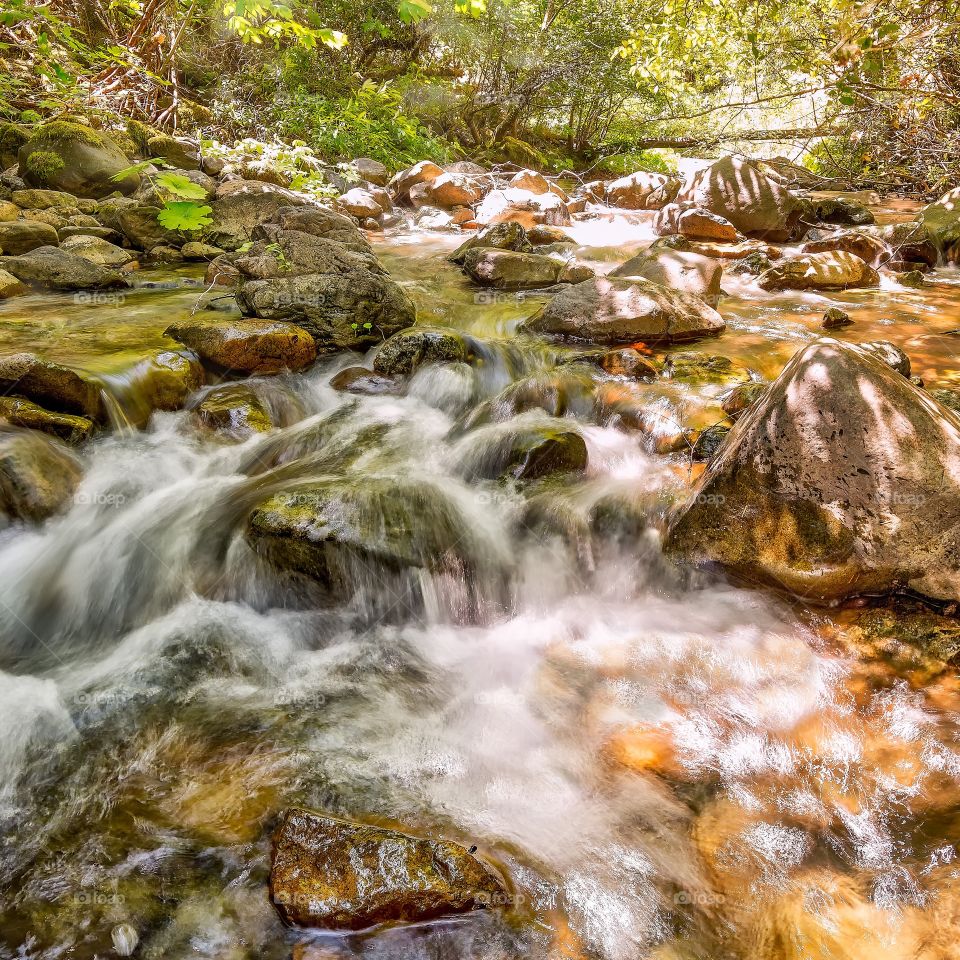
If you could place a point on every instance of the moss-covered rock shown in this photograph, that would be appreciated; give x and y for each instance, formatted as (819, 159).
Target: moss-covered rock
(234, 411)
(51, 385)
(37, 475)
(24, 413)
(409, 349)
(12, 137)
(175, 150)
(69, 156)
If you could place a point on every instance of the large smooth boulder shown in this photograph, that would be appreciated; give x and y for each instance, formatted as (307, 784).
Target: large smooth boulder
(423, 172)
(940, 222)
(73, 158)
(38, 475)
(97, 250)
(343, 297)
(508, 270)
(524, 207)
(498, 236)
(742, 193)
(50, 385)
(836, 270)
(624, 311)
(842, 479)
(22, 236)
(247, 346)
(340, 875)
(639, 191)
(870, 249)
(454, 190)
(58, 269)
(677, 270)
(240, 205)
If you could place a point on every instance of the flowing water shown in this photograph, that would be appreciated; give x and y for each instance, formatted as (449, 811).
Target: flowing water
(664, 767)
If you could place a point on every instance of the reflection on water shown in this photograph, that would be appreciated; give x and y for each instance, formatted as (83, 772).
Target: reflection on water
(666, 769)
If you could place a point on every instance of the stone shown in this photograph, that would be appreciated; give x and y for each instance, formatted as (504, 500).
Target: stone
(844, 480)
(8, 211)
(508, 270)
(741, 398)
(22, 236)
(739, 191)
(819, 271)
(50, 385)
(527, 452)
(408, 350)
(58, 269)
(247, 346)
(523, 207)
(889, 354)
(10, 286)
(97, 251)
(628, 363)
(363, 381)
(543, 234)
(834, 318)
(911, 278)
(67, 156)
(360, 203)
(708, 442)
(196, 250)
(405, 180)
(625, 311)
(498, 236)
(868, 248)
(161, 381)
(939, 223)
(139, 224)
(38, 475)
(19, 412)
(178, 151)
(164, 254)
(315, 221)
(530, 180)
(373, 171)
(42, 199)
(634, 192)
(677, 270)
(241, 205)
(234, 411)
(453, 190)
(330, 873)
(693, 367)
(841, 211)
(698, 224)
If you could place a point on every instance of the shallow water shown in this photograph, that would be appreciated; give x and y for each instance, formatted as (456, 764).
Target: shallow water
(664, 768)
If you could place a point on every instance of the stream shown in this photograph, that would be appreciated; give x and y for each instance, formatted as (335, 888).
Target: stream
(666, 766)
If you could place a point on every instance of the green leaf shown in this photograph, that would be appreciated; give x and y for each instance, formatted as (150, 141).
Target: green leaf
(413, 11)
(180, 186)
(184, 215)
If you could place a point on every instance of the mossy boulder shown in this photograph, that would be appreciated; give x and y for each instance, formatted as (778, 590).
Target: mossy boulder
(63, 155)
(409, 349)
(12, 137)
(341, 875)
(50, 385)
(525, 448)
(56, 269)
(24, 413)
(38, 475)
(234, 411)
(175, 150)
(162, 381)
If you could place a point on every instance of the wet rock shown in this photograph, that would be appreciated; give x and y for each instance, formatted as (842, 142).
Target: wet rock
(844, 479)
(895, 635)
(699, 224)
(868, 248)
(622, 311)
(162, 381)
(315, 221)
(19, 412)
(638, 191)
(50, 385)
(708, 442)
(731, 251)
(523, 207)
(331, 873)
(841, 211)
(195, 250)
(247, 346)
(38, 475)
(911, 278)
(819, 271)
(454, 190)
(677, 270)
(360, 203)
(498, 236)
(373, 171)
(67, 156)
(410, 349)
(628, 363)
(363, 381)
(835, 318)
(97, 251)
(241, 205)
(741, 398)
(524, 451)
(912, 241)
(405, 180)
(508, 270)
(692, 366)
(753, 264)
(58, 269)
(740, 191)
(22, 236)
(235, 411)
(889, 354)
(10, 286)
(565, 391)
(530, 180)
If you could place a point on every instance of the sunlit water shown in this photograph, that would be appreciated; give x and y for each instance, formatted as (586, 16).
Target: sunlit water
(664, 768)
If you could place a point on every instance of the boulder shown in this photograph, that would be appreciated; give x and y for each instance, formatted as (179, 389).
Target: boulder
(331, 873)
(677, 270)
(870, 249)
(410, 349)
(10, 286)
(196, 250)
(247, 346)
(841, 211)
(240, 205)
(67, 156)
(234, 411)
(38, 475)
(628, 362)
(161, 381)
(889, 354)
(523, 451)
(625, 311)
(739, 191)
(363, 381)
(22, 236)
(178, 151)
(699, 224)
(97, 251)
(50, 385)
(316, 221)
(508, 270)
(12, 137)
(8, 211)
(19, 412)
(835, 318)
(453, 190)
(696, 367)
(360, 203)
(57, 269)
(43, 199)
(635, 191)
(940, 222)
(543, 235)
(139, 224)
(911, 241)
(819, 271)
(373, 171)
(524, 207)
(405, 180)
(498, 236)
(742, 397)
(843, 479)
(531, 181)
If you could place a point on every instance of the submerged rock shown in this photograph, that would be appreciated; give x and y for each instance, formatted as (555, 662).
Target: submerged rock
(843, 479)
(363, 381)
(508, 270)
(37, 475)
(50, 385)
(404, 352)
(235, 411)
(58, 269)
(247, 346)
(523, 450)
(741, 398)
(819, 271)
(339, 875)
(625, 311)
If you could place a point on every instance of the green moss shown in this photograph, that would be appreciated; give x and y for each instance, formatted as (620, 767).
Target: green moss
(44, 164)
(30, 116)
(140, 134)
(60, 131)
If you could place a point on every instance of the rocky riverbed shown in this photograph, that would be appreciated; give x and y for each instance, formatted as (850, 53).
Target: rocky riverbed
(577, 561)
